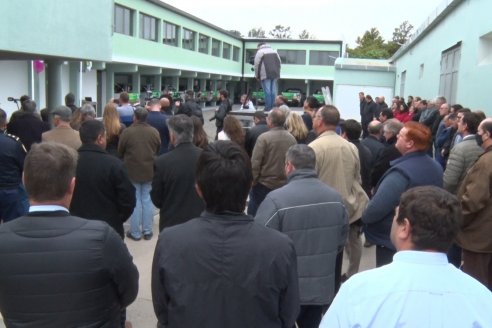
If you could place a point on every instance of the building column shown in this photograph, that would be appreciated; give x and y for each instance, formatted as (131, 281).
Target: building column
(74, 83)
(158, 83)
(109, 85)
(54, 92)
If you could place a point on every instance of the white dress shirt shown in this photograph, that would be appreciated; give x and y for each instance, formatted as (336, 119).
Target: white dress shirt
(419, 289)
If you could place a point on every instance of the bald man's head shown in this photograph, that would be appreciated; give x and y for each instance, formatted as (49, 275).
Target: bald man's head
(164, 102)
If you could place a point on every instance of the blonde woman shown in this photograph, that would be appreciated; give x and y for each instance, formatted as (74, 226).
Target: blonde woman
(113, 127)
(296, 127)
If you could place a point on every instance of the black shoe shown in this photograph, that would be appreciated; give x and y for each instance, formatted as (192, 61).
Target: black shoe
(129, 235)
(148, 236)
(367, 244)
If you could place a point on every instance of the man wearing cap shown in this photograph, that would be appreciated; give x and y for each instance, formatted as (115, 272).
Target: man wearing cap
(63, 132)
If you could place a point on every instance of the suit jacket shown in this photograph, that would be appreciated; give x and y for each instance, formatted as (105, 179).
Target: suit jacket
(64, 135)
(139, 144)
(28, 127)
(103, 190)
(63, 271)
(173, 185)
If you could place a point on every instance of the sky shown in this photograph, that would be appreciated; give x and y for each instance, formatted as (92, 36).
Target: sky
(327, 19)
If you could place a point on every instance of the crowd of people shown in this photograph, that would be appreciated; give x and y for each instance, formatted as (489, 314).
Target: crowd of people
(252, 226)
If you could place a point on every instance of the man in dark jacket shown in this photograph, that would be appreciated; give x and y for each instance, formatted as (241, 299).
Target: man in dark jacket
(173, 185)
(59, 270)
(369, 113)
(157, 119)
(222, 269)
(103, 190)
(28, 125)
(414, 168)
(253, 133)
(312, 214)
(190, 107)
(221, 112)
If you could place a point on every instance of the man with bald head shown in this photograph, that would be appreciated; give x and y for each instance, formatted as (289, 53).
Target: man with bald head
(373, 140)
(166, 107)
(476, 202)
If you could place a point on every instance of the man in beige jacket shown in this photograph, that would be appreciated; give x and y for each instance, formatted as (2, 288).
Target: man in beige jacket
(63, 132)
(338, 165)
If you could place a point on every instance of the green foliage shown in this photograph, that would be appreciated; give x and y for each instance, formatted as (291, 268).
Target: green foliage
(280, 32)
(305, 35)
(372, 45)
(236, 33)
(257, 33)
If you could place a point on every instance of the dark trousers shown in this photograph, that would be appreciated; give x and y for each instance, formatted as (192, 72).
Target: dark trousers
(310, 316)
(479, 266)
(384, 255)
(338, 271)
(256, 196)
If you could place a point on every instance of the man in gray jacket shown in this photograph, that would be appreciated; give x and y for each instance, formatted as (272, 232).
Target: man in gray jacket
(267, 70)
(314, 217)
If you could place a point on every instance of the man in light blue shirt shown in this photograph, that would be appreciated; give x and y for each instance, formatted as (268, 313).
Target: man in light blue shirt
(420, 288)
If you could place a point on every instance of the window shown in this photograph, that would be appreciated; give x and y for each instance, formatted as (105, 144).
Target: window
(450, 62)
(485, 49)
(203, 44)
(249, 53)
(226, 50)
(293, 57)
(188, 39)
(215, 48)
(402, 83)
(235, 53)
(123, 20)
(170, 34)
(148, 27)
(323, 57)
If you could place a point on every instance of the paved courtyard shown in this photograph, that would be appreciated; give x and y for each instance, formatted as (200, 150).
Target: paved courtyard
(141, 312)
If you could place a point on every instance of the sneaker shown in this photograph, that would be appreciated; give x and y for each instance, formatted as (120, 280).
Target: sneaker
(148, 236)
(129, 235)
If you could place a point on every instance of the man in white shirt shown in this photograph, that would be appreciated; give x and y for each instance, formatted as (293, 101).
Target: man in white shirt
(419, 288)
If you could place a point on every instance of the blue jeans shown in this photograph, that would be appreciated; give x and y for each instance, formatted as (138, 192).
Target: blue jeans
(270, 90)
(13, 203)
(143, 213)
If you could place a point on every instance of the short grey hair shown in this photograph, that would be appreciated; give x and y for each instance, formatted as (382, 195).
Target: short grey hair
(301, 156)
(393, 125)
(87, 110)
(181, 126)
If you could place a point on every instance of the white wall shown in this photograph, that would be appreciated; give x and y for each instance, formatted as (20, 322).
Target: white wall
(347, 98)
(14, 82)
(89, 85)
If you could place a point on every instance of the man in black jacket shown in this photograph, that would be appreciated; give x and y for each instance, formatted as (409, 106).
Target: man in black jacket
(103, 190)
(221, 112)
(222, 269)
(173, 185)
(253, 133)
(369, 113)
(190, 106)
(59, 270)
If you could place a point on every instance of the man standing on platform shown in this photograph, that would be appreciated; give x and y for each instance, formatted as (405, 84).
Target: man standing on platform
(267, 66)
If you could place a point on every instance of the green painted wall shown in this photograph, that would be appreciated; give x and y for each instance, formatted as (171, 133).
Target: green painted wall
(73, 29)
(469, 23)
(144, 52)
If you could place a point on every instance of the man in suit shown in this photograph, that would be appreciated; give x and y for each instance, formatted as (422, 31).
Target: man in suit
(63, 132)
(173, 185)
(60, 270)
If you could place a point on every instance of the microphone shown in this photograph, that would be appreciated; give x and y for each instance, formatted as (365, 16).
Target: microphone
(13, 99)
